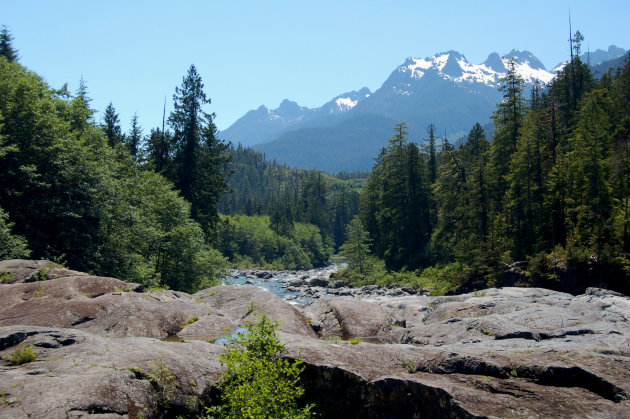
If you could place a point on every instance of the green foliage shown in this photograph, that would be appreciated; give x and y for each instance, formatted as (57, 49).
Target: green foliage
(11, 246)
(258, 383)
(199, 158)
(6, 45)
(287, 196)
(356, 249)
(191, 320)
(163, 381)
(251, 241)
(70, 193)
(395, 204)
(553, 187)
(21, 355)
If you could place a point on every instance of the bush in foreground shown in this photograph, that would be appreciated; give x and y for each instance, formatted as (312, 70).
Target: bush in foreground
(257, 382)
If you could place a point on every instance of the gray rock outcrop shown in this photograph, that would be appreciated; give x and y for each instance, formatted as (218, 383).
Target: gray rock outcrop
(509, 352)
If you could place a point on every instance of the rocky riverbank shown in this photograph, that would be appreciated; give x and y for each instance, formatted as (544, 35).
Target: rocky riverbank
(305, 286)
(507, 352)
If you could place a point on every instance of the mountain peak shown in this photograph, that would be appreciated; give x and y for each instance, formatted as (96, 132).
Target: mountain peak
(525, 57)
(494, 62)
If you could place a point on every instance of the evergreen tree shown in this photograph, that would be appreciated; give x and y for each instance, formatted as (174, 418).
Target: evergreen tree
(200, 157)
(111, 126)
(158, 150)
(356, 249)
(588, 165)
(134, 138)
(6, 45)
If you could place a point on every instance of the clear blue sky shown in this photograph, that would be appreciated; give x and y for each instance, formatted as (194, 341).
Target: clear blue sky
(134, 53)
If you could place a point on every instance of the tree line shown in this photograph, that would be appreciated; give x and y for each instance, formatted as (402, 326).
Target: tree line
(551, 188)
(82, 193)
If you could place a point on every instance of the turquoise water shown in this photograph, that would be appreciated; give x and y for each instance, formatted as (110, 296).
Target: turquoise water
(273, 286)
(224, 339)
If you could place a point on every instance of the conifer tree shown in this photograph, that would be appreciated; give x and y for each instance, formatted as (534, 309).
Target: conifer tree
(356, 249)
(134, 139)
(111, 126)
(200, 157)
(6, 45)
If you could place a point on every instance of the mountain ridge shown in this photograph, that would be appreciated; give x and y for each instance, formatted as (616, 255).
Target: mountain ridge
(420, 91)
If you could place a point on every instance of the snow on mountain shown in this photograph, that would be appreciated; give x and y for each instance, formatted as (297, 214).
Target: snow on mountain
(345, 103)
(454, 66)
(256, 126)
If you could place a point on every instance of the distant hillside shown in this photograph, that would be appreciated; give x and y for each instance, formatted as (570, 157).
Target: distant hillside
(347, 132)
(614, 64)
(349, 145)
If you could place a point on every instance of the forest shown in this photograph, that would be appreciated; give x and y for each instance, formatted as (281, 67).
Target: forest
(547, 198)
(176, 207)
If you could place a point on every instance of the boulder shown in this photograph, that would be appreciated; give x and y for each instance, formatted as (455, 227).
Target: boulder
(243, 302)
(104, 306)
(16, 271)
(77, 374)
(319, 282)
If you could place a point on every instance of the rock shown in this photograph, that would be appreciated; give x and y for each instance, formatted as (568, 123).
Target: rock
(319, 282)
(264, 275)
(98, 305)
(208, 327)
(19, 271)
(339, 284)
(242, 302)
(78, 374)
(297, 282)
(505, 352)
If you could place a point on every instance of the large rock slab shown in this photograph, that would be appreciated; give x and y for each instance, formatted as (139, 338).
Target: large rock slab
(105, 306)
(242, 303)
(79, 374)
(506, 352)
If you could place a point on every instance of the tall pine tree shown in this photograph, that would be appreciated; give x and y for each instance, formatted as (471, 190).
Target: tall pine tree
(200, 157)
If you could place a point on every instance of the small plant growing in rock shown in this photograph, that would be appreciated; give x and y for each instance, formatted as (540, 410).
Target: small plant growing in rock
(163, 381)
(5, 277)
(355, 341)
(21, 355)
(334, 340)
(250, 308)
(513, 373)
(189, 321)
(42, 275)
(410, 365)
(40, 292)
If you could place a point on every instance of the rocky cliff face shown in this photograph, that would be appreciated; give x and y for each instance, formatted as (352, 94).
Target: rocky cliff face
(494, 353)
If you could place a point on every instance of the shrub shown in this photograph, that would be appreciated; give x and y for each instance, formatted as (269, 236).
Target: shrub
(21, 355)
(257, 382)
(163, 381)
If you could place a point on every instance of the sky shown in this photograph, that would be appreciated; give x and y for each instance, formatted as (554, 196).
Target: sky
(250, 53)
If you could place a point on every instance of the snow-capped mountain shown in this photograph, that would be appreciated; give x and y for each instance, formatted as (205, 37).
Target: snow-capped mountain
(264, 124)
(453, 66)
(347, 132)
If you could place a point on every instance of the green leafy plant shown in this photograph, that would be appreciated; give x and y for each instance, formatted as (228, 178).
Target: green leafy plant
(334, 340)
(5, 277)
(411, 365)
(163, 381)
(513, 373)
(189, 321)
(355, 341)
(21, 355)
(258, 383)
